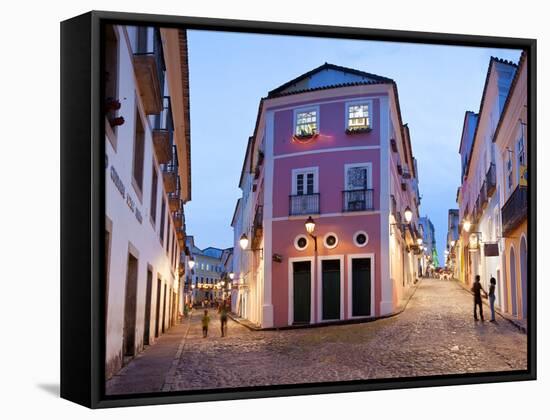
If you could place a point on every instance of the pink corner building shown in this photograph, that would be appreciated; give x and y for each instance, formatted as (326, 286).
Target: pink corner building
(329, 148)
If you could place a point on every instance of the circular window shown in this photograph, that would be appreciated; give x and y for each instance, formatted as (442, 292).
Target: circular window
(361, 238)
(300, 242)
(331, 240)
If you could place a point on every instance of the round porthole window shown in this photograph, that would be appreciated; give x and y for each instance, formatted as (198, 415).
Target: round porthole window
(300, 242)
(361, 238)
(330, 240)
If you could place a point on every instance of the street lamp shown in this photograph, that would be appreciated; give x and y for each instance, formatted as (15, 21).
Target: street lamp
(243, 241)
(452, 243)
(231, 276)
(310, 228)
(467, 225)
(191, 263)
(408, 215)
(419, 241)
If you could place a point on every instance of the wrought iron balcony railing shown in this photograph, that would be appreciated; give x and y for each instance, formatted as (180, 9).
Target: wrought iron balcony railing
(357, 200)
(514, 211)
(304, 204)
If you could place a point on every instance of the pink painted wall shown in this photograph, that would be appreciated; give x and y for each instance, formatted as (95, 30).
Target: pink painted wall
(331, 126)
(331, 178)
(283, 236)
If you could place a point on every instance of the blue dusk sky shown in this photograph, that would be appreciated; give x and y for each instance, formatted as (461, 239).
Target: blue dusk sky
(230, 72)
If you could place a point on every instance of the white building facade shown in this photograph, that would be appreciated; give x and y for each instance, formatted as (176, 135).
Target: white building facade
(147, 183)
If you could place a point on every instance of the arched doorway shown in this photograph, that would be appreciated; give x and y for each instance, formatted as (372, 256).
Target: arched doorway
(523, 271)
(513, 285)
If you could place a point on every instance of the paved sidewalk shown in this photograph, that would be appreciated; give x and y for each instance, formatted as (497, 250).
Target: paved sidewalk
(148, 371)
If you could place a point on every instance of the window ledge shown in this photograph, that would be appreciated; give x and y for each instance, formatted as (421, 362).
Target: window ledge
(304, 138)
(358, 130)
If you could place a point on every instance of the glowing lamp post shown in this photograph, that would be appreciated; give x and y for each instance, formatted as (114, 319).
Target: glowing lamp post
(310, 228)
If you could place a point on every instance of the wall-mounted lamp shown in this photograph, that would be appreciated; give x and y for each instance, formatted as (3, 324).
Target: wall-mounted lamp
(243, 242)
(310, 228)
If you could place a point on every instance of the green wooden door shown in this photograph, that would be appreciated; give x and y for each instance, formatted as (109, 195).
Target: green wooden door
(302, 292)
(361, 287)
(331, 289)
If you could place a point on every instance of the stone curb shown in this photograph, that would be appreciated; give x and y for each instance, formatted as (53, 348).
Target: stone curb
(247, 324)
(512, 321)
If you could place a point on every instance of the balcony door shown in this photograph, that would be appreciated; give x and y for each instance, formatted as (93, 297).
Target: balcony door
(358, 187)
(305, 191)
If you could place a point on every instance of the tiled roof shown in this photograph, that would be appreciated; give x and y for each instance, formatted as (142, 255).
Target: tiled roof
(327, 66)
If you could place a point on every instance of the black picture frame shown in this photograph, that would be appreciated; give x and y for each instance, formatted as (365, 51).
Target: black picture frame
(83, 203)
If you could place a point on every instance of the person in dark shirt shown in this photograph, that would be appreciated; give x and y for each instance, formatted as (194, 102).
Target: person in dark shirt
(477, 289)
(492, 297)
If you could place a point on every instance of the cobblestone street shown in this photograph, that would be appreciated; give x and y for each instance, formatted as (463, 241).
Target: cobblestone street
(436, 334)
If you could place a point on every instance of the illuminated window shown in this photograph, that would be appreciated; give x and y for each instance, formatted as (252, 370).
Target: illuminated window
(306, 122)
(358, 116)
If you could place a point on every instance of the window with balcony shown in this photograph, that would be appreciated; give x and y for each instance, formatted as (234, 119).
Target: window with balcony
(358, 117)
(306, 122)
(358, 193)
(305, 191)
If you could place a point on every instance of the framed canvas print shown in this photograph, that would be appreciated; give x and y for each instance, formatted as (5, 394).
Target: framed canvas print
(254, 209)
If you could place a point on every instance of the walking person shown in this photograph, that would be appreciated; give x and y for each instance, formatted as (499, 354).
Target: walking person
(492, 297)
(223, 318)
(477, 288)
(205, 321)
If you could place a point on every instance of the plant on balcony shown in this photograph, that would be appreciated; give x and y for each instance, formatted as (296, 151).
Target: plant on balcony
(357, 130)
(116, 121)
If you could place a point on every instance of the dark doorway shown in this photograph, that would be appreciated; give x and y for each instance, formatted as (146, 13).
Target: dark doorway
(157, 315)
(130, 304)
(148, 295)
(302, 292)
(331, 289)
(361, 287)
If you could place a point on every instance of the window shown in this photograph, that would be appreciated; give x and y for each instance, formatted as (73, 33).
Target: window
(358, 116)
(330, 240)
(162, 215)
(112, 104)
(361, 238)
(300, 242)
(521, 159)
(168, 236)
(358, 194)
(139, 144)
(509, 179)
(306, 122)
(154, 183)
(305, 181)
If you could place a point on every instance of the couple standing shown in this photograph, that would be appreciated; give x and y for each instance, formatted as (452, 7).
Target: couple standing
(477, 289)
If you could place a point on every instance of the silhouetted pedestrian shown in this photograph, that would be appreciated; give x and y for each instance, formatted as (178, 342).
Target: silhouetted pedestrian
(477, 289)
(492, 297)
(205, 321)
(223, 318)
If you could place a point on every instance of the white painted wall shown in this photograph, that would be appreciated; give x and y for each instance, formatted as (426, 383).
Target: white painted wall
(126, 229)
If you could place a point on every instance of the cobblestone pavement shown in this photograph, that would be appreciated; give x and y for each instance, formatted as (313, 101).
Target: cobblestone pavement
(435, 335)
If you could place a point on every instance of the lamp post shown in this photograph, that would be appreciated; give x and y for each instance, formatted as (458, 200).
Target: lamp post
(310, 228)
